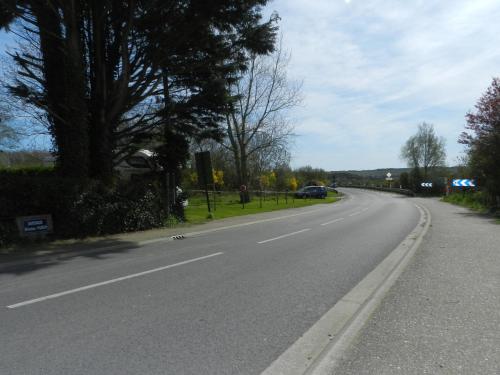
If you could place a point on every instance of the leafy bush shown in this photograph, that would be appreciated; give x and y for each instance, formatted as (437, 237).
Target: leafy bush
(8, 232)
(79, 208)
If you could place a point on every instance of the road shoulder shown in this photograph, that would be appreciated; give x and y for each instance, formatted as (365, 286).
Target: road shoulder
(443, 313)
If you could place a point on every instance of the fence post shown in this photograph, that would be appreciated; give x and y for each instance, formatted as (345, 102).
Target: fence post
(213, 194)
(208, 198)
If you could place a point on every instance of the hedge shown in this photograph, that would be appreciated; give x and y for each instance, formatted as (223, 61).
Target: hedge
(79, 208)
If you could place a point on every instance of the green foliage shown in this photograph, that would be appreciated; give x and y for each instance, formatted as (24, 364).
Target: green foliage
(79, 208)
(8, 232)
(476, 200)
(312, 176)
(483, 139)
(424, 149)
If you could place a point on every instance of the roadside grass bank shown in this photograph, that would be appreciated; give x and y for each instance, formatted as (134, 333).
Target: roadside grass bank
(477, 201)
(228, 205)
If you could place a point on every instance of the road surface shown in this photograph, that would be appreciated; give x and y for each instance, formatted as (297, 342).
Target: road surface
(223, 302)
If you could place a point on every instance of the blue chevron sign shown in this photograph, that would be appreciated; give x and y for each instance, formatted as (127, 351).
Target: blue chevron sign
(463, 183)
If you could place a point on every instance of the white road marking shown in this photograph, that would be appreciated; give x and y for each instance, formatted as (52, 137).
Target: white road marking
(333, 221)
(355, 213)
(285, 235)
(56, 295)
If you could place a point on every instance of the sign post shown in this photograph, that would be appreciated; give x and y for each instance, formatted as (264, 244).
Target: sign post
(389, 178)
(243, 191)
(204, 170)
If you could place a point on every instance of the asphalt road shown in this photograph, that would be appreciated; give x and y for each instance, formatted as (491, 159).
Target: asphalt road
(223, 302)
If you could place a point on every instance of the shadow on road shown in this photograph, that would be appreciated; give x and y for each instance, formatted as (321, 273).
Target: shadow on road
(492, 218)
(22, 261)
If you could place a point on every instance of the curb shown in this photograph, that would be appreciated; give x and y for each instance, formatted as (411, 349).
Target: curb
(318, 351)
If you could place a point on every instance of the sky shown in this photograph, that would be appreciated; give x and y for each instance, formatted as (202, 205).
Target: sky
(372, 70)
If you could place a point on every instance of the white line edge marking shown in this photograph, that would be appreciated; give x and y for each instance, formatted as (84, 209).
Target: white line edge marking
(285, 235)
(333, 221)
(355, 213)
(76, 290)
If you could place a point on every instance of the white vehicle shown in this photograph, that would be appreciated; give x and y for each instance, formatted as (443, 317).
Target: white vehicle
(141, 163)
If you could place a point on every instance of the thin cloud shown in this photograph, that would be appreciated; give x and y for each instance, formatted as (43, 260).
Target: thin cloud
(374, 70)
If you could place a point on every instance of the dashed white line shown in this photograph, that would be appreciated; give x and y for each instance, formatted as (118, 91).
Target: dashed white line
(76, 290)
(285, 235)
(333, 221)
(359, 212)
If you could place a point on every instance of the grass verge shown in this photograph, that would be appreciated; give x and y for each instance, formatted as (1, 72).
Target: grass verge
(473, 200)
(476, 201)
(228, 205)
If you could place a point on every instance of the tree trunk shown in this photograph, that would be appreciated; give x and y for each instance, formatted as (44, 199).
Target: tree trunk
(63, 73)
(237, 165)
(245, 197)
(243, 169)
(101, 140)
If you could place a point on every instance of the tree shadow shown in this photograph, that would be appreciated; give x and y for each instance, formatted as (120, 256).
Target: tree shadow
(25, 261)
(490, 217)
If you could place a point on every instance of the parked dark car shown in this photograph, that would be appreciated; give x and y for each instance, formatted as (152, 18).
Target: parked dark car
(312, 192)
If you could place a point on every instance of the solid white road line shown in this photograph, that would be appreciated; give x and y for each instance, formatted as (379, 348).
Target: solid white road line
(333, 221)
(56, 295)
(355, 213)
(285, 235)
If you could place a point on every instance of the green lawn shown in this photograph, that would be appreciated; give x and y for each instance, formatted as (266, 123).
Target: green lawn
(228, 205)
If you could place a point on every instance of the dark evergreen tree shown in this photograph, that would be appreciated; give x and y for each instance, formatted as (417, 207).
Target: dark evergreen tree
(110, 75)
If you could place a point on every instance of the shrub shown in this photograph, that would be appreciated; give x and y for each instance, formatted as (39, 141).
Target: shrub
(79, 208)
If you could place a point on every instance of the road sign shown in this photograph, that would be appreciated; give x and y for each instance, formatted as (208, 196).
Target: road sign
(465, 182)
(205, 174)
(38, 225)
(389, 176)
(426, 184)
(204, 168)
